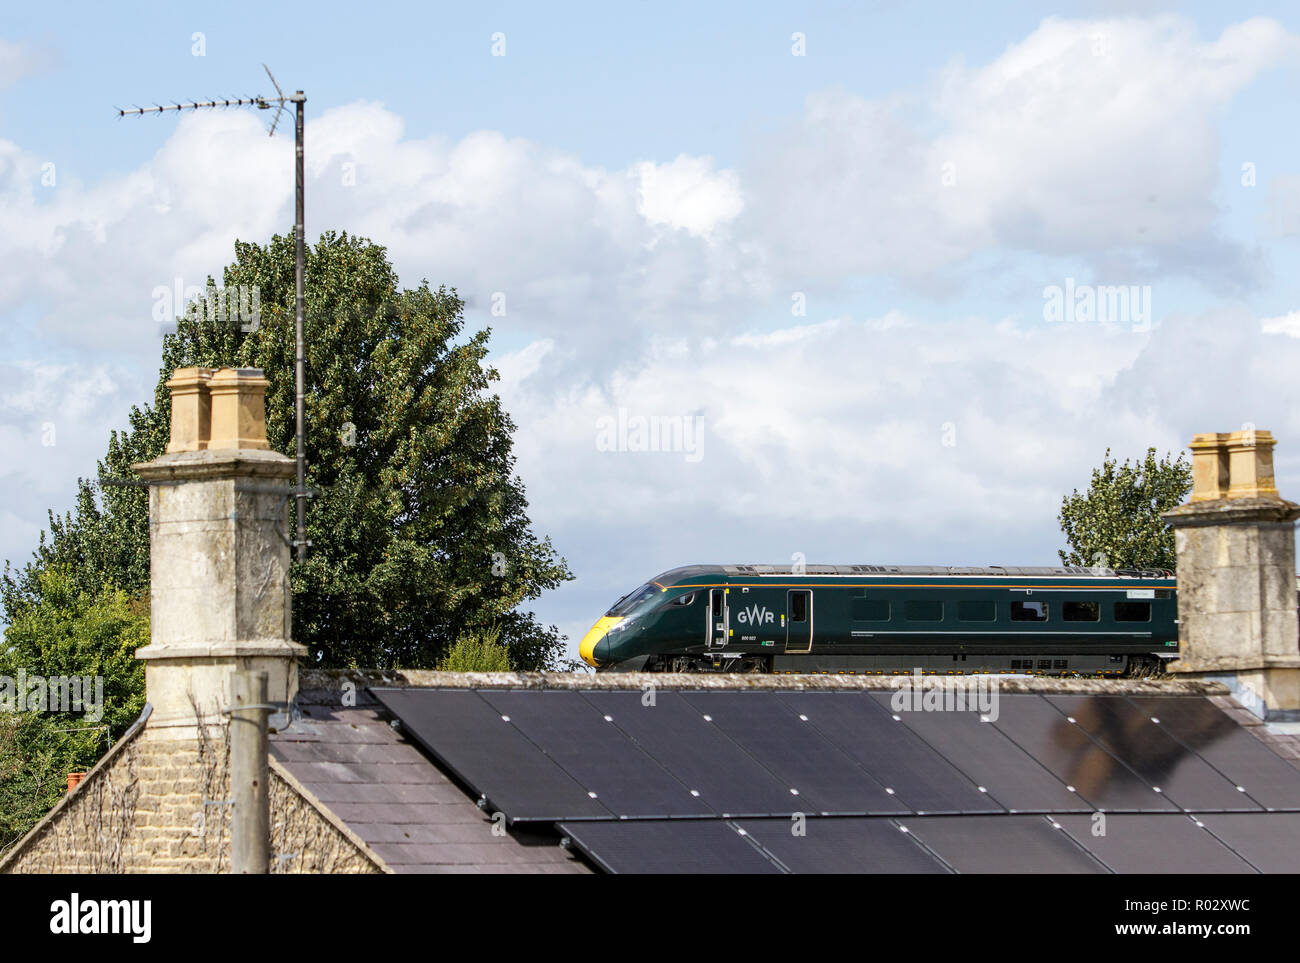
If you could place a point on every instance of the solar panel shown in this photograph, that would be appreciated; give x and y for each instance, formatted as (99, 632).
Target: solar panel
(1161, 760)
(697, 752)
(596, 753)
(897, 758)
(1201, 726)
(1065, 749)
(1001, 844)
(989, 759)
(1153, 843)
(872, 844)
(1271, 843)
(490, 754)
(668, 846)
(822, 776)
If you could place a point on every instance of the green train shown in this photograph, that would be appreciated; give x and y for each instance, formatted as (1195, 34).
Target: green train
(890, 619)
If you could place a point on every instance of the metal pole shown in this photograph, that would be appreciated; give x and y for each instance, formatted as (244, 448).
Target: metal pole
(299, 300)
(250, 824)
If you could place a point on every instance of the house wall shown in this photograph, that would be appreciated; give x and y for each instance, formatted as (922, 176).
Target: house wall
(156, 805)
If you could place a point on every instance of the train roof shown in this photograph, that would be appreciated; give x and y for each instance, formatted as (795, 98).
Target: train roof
(676, 575)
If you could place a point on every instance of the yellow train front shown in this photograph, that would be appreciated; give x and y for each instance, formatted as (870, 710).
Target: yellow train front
(890, 618)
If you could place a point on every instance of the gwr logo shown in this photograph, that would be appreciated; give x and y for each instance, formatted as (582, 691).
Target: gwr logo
(755, 615)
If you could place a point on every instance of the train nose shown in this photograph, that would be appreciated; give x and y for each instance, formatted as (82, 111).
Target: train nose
(592, 640)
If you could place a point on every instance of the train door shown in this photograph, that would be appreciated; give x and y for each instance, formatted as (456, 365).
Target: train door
(799, 623)
(719, 619)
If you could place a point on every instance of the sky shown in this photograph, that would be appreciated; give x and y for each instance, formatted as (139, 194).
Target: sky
(874, 282)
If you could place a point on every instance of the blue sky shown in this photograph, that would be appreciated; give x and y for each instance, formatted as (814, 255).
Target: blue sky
(651, 185)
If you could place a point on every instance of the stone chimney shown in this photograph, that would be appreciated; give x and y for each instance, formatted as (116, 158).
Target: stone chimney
(1235, 541)
(219, 553)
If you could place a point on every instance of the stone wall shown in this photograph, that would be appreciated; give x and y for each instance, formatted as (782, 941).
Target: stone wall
(157, 805)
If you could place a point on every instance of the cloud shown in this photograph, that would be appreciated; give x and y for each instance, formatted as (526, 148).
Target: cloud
(54, 423)
(1288, 324)
(688, 194)
(1088, 137)
(885, 440)
(19, 60)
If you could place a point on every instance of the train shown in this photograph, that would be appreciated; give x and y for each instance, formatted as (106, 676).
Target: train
(891, 619)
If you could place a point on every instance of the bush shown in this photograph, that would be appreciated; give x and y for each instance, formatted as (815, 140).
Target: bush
(478, 651)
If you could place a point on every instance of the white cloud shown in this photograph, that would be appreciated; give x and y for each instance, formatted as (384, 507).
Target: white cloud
(688, 194)
(1086, 138)
(54, 423)
(1288, 324)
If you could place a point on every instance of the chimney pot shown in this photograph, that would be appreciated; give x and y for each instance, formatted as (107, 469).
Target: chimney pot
(1250, 465)
(238, 409)
(191, 409)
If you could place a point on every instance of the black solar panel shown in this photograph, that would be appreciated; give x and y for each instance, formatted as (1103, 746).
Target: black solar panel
(1074, 758)
(1128, 733)
(490, 754)
(1152, 843)
(897, 758)
(697, 752)
(706, 780)
(1271, 842)
(872, 844)
(596, 753)
(989, 759)
(812, 768)
(1244, 760)
(1001, 844)
(668, 846)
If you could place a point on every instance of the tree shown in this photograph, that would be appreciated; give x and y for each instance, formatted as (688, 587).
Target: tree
(1117, 522)
(418, 526)
(43, 738)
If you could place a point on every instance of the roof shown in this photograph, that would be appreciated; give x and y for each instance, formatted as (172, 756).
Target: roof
(678, 575)
(710, 776)
(405, 809)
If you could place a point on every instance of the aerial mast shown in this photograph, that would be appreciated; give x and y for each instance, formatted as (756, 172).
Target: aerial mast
(299, 100)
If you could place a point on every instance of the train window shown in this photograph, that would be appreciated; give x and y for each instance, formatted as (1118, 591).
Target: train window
(632, 599)
(1081, 611)
(798, 606)
(970, 611)
(1028, 611)
(870, 610)
(718, 601)
(686, 599)
(1132, 611)
(923, 610)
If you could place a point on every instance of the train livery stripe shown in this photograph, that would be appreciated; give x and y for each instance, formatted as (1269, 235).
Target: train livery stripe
(943, 585)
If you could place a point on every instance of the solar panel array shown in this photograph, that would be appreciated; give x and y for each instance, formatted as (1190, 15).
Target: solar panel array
(806, 781)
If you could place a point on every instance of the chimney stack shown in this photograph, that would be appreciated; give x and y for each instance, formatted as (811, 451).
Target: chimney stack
(1235, 541)
(219, 553)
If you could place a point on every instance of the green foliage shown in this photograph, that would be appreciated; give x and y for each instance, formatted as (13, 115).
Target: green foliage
(409, 455)
(1117, 522)
(479, 651)
(70, 633)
